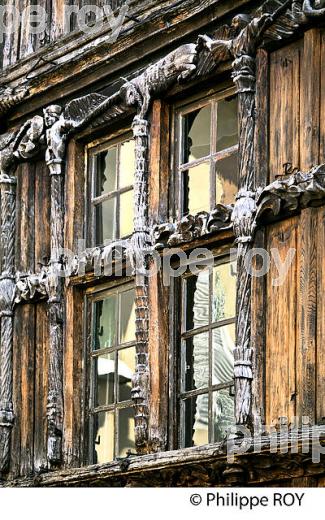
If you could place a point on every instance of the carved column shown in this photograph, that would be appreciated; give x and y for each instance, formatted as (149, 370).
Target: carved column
(55, 293)
(140, 250)
(243, 222)
(7, 296)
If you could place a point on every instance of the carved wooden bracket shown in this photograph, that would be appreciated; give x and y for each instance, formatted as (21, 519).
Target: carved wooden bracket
(192, 227)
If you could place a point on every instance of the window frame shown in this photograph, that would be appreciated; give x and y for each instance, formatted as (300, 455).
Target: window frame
(184, 107)
(92, 150)
(221, 254)
(91, 296)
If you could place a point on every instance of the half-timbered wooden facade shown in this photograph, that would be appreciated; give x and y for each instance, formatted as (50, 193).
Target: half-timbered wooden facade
(136, 142)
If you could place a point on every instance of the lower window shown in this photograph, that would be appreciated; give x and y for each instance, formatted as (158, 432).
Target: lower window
(205, 397)
(112, 365)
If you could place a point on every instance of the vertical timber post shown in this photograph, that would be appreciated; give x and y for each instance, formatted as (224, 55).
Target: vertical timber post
(140, 251)
(7, 296)
(243, 222)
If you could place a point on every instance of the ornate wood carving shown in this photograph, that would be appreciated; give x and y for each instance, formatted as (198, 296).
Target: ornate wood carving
(314, 9)
(290, 194)
(10, 97)
(192, 227)
(7, 296)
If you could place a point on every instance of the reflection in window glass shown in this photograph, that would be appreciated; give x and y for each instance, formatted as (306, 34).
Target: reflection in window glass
(223, 344)
(105, 221)
(197, 362)
(126, 441)
(105, 322)
(222, 413)
(127, 322)
(106, 172)
(105, 379)
(127, 214)
(195, 421)
(197, 195)
(227, 124)
(226, 179)
(197, 300)
(126, 369)
(197, 125)
(224, 292)
(104, 441)
(127, 164)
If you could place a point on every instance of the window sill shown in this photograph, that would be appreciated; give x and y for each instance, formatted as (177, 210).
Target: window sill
(196, 467)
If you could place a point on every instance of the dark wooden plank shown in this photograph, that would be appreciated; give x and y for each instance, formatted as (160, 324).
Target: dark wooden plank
(320, 331)
(310, 100)
(25, 247)
(73, 374)
(41, 386)
(306, 313)
(284, 108)
(281, 327)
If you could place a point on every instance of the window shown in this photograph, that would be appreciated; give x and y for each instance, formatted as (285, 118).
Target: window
(112, 173)
(112, 362)
(205, 354)
(207, 150)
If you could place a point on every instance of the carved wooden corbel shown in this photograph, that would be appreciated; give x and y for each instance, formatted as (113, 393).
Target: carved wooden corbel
(9, 97)
(192, 227)
(7, 296)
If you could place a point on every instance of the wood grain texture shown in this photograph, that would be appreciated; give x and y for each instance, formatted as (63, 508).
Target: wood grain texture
(281, 327)
(284, 108)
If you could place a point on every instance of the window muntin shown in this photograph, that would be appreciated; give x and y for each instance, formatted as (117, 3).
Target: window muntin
(205, 355)
(207, 154)
(112, 172)
(112, 362)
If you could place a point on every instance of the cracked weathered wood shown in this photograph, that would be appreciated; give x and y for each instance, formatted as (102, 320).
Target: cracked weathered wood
(7, 296)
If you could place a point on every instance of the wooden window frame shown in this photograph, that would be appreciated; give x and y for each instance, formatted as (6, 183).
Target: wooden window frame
(93, 295)
(221, 255)
(180, 109)
(92, 151)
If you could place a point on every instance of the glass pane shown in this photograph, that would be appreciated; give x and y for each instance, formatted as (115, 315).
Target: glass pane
(224, 292)
(106, 168)
(103, 437)
(223, 344)
(195, 423)
(126, 440)
(227, 124)
(127, 323)
(105, 376)
(196, 362)
(126, 214)
(105, 322)
(222, 413)
(196, 186)
(127, 164)
(197, 300)
(126, 369)
(105, 221)
(196, 128)
(226, 180)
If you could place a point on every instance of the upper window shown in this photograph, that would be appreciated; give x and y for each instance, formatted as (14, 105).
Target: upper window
(112, 365)
(112, 173)
(205, 354)
(207, 149)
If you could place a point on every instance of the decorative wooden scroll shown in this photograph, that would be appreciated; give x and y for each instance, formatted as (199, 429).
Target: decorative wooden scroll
(10, 97)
